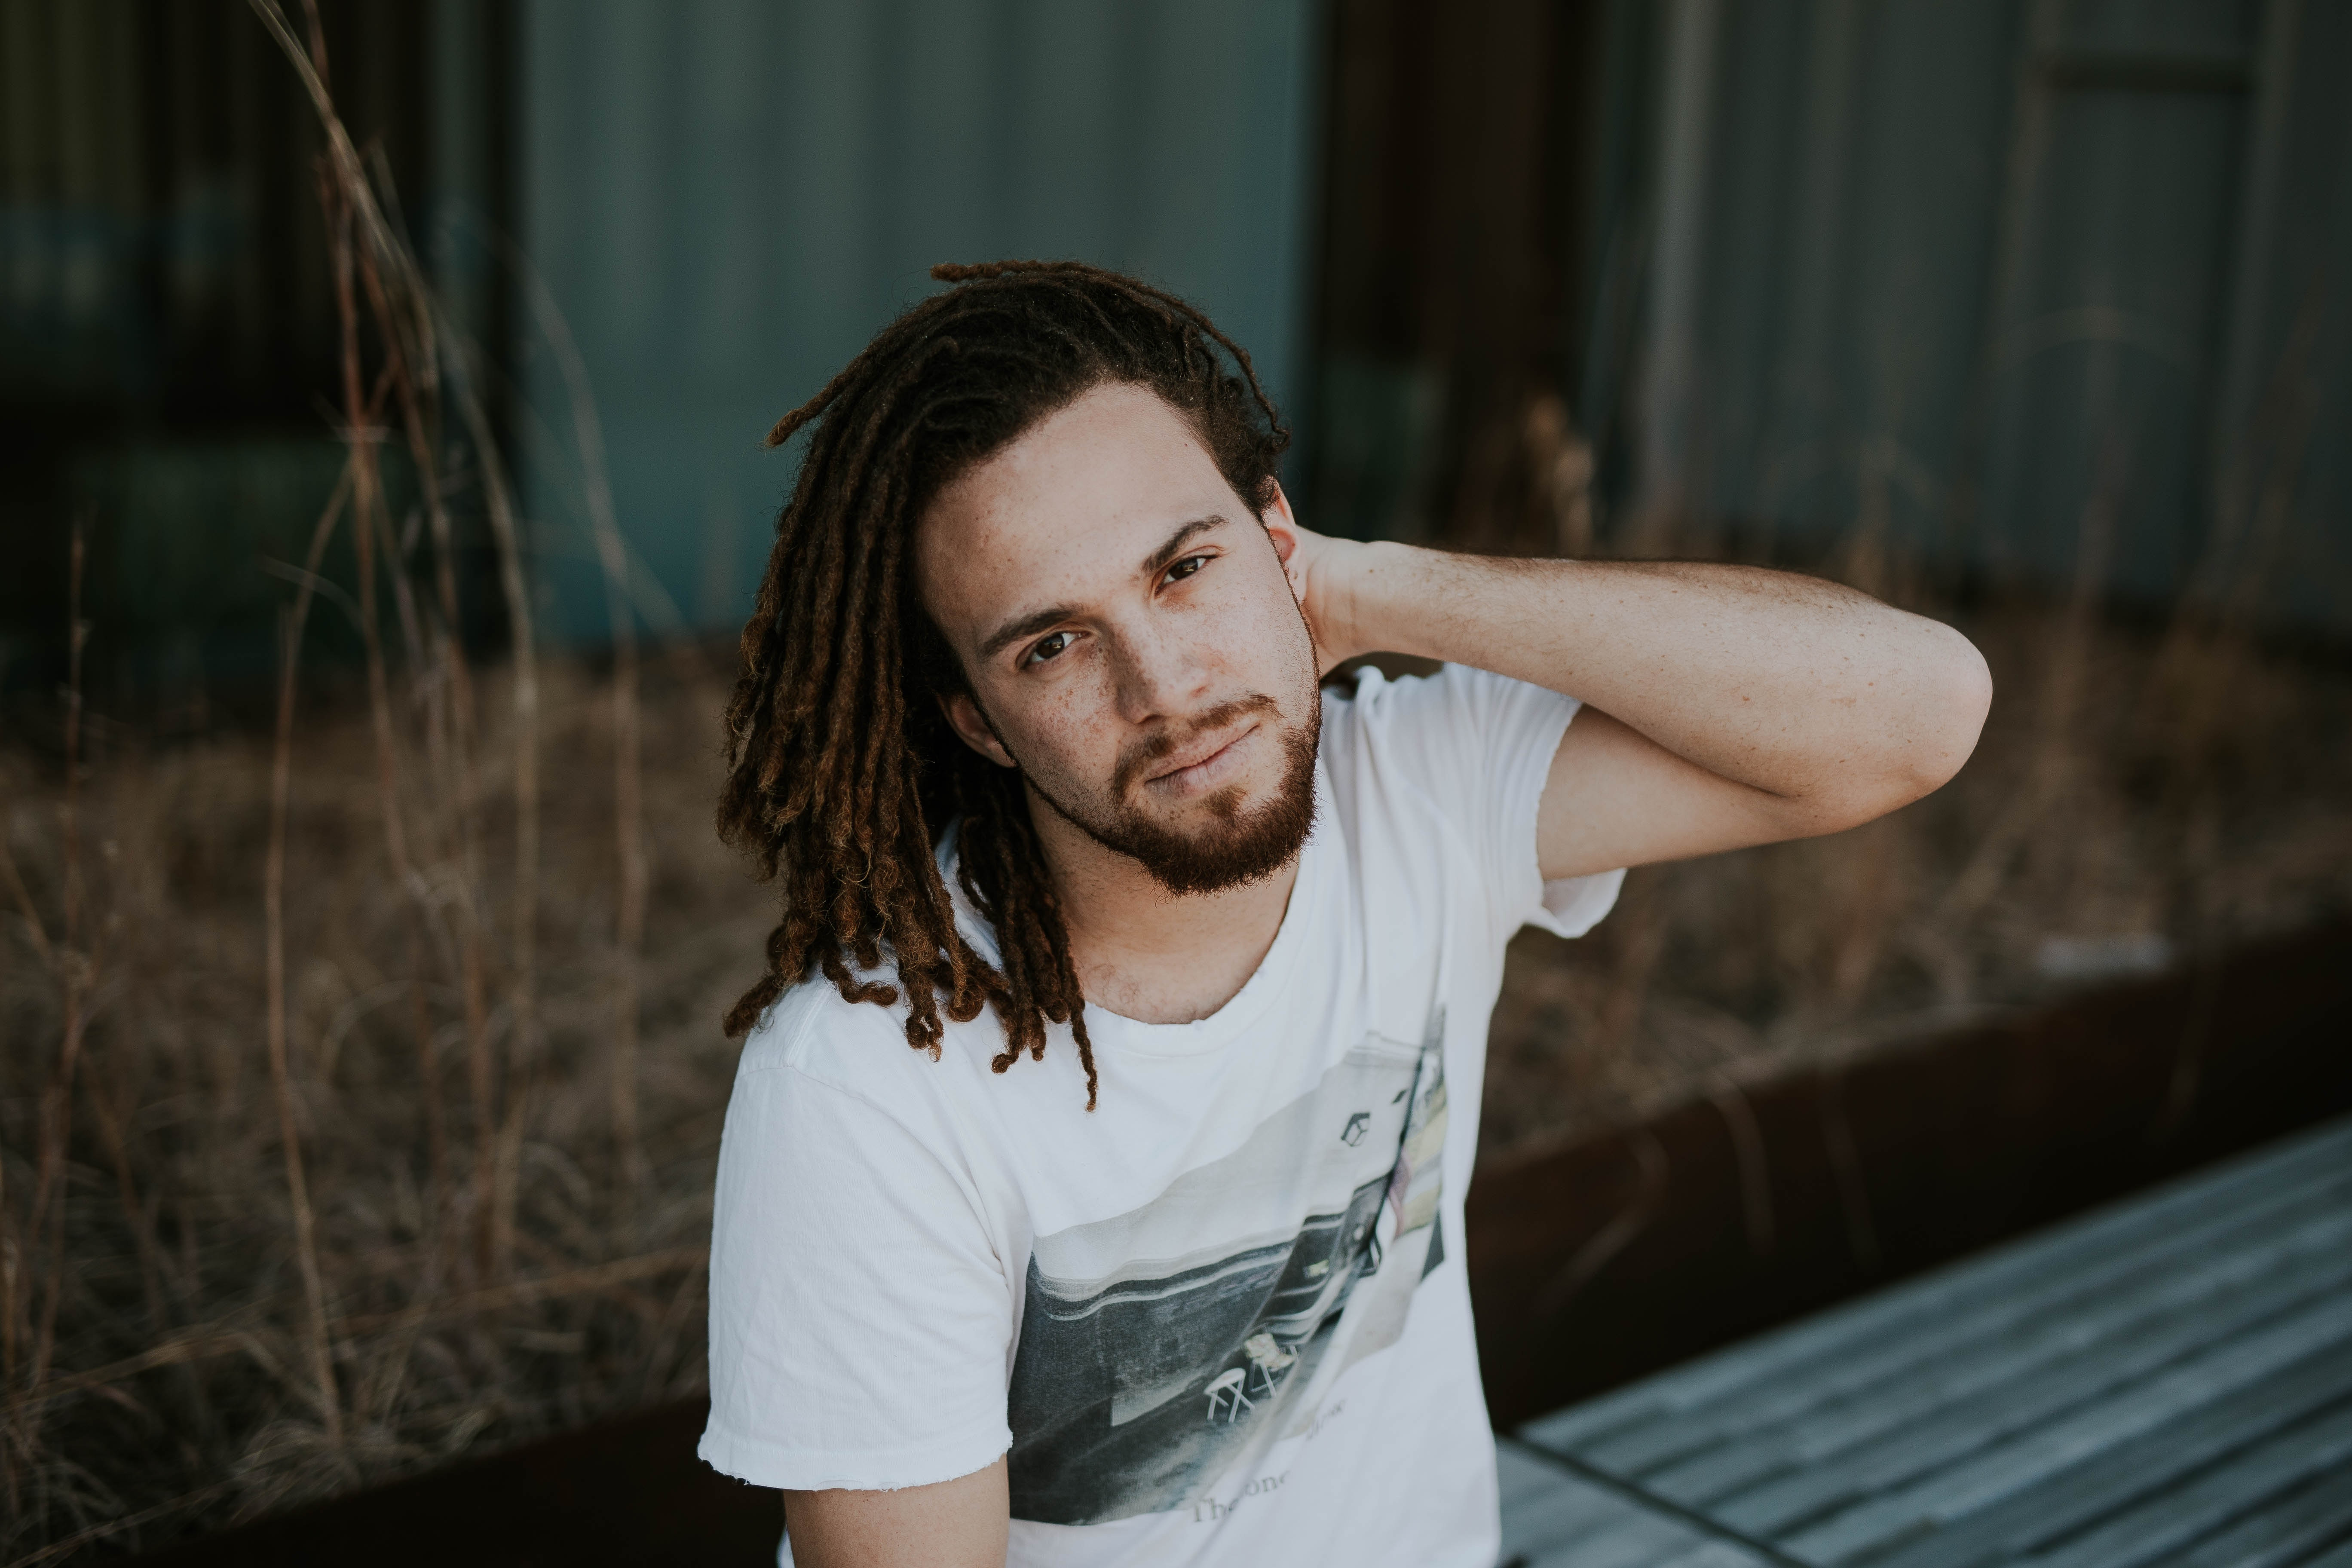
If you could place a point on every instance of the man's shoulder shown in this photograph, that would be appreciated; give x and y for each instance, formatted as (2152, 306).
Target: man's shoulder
(1414, 729)
(813, 1032)
(1414, 691)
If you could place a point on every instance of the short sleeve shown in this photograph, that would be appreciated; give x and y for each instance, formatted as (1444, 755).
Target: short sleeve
(859, 1316)
(1482, 744)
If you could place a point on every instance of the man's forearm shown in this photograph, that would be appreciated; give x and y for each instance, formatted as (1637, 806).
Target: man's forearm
(1786, 684)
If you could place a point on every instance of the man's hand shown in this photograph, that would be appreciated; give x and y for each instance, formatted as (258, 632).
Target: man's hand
(961, 1523)
(1728, 705)
(1324, 574)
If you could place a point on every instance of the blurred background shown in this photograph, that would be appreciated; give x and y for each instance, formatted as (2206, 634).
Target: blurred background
(362, 1075)
(1920, 279)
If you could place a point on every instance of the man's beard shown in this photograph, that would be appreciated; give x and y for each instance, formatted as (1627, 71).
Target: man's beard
(1239, 846)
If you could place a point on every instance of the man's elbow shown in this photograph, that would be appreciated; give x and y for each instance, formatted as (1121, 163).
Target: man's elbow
(1955, 713)
(1946, 716)
(1931, 737)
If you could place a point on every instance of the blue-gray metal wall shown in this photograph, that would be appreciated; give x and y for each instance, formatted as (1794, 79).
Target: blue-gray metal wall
(2047, 286)
(728, 197)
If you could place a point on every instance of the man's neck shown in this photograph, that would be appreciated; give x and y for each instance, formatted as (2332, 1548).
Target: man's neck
(1147, 953)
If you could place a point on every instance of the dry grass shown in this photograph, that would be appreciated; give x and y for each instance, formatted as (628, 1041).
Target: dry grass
(363, 1080)
(2187, 795)
(441, 1203)
(179, 1389)
(180, 1362)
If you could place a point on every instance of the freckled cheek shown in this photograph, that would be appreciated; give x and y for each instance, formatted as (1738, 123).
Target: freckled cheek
(1256, 638)
(1076, 725)
(1236, 635)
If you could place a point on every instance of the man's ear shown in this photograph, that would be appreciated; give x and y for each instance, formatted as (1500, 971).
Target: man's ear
(963, 716)
(1281, 527)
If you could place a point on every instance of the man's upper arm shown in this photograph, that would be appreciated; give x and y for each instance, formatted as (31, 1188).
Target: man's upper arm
(859, 1313)
(960, 1524)
(1484, 747)
(1615, 797)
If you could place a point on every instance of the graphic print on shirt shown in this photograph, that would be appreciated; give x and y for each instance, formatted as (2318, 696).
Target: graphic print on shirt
(1163, 1346)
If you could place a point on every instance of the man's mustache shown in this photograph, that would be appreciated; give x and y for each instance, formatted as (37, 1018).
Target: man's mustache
(1157, 747)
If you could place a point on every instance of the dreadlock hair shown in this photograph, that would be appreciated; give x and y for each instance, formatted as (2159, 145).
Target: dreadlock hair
(842, 773)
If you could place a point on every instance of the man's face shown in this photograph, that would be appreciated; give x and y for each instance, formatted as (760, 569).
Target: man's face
(1132, 640)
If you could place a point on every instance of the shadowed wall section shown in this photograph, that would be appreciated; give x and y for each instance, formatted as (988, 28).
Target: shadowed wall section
(2050, 290)
(726, 198)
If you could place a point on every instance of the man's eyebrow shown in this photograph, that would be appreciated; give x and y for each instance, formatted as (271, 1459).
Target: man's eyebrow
(1029, 625)
(1012, 632)
(1179, 539)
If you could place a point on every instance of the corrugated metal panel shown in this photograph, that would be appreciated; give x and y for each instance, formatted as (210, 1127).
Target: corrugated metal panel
(726, 198)
(2127, 152)
(1556, 1518)
(2167, 1381)
(2045, 288)
(1850, 188)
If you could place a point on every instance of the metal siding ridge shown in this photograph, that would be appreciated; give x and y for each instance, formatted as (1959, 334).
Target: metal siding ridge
(1546, 1507)
(2315, 1155)
(2340, 1556)
(2226, 1248)
(2244, 1484)
(2283, 1532)
(1712, 1554)
(2075, 1488)
(2006, 1413)
(1638, 1531)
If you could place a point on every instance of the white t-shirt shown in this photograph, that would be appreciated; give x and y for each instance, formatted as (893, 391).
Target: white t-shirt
(1224, 1318)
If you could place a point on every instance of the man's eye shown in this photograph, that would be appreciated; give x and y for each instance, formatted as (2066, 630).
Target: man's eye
(1047, 648)
(1185, 568)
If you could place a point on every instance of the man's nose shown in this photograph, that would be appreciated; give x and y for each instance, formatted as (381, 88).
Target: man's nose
(1158, 676)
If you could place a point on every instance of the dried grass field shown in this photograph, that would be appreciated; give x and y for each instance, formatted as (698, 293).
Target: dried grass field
(2138, 796)
(506, 1192)
(363, 1075)
(498, 1253)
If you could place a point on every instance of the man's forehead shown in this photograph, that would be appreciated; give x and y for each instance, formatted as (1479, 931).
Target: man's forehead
(1077, 502)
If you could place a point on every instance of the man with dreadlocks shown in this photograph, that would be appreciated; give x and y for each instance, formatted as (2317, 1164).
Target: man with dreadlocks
(1148, 1250)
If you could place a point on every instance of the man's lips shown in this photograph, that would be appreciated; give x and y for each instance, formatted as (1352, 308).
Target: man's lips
(1200, 754)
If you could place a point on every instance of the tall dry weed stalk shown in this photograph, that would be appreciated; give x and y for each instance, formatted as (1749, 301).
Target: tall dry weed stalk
(243, 1259)
(77, 962)
(367, 1094)
(412, 333)
(2143, 796)
(628, 814)
(273, 884)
